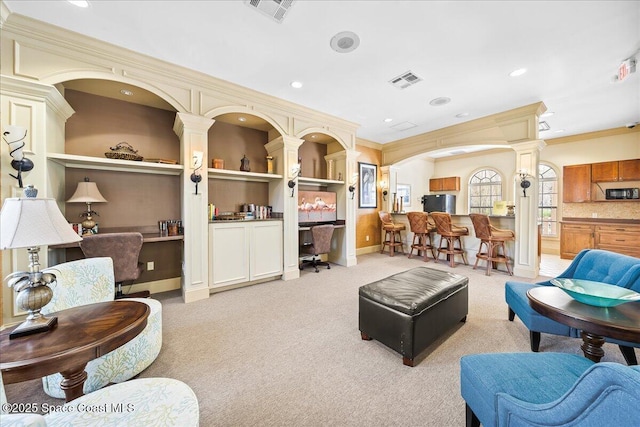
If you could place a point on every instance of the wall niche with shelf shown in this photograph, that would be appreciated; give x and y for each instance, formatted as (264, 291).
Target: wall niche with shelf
(100, 122)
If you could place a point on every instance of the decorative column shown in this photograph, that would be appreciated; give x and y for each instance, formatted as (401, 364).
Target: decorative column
(526, 260)
(284, 150)
(43, 112)
(351, 169)
(192, 131)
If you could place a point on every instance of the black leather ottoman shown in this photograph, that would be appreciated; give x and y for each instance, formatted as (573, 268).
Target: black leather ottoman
(408, 311)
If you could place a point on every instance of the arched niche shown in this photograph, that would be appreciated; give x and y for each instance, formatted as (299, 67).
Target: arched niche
(109, 112)
(312, 154)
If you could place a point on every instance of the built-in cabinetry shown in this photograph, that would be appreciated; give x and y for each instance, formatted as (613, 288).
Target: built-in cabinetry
(587, 182)
(451, 183)
(620, 237)
(623, 170)
(576, 183)
(244, 251)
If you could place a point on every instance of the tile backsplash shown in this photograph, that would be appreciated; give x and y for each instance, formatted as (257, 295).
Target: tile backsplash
(617, 210)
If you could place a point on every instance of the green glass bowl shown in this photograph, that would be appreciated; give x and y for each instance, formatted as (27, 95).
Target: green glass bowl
(596, 293)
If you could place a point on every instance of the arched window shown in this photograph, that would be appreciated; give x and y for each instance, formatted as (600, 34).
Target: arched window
(548, 204)
(485, 187)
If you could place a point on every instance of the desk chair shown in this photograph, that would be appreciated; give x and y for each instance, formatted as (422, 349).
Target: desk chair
(123, 249)
(492, 239)
(321, 244)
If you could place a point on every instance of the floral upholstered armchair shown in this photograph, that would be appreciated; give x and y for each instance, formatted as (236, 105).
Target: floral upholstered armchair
(89, 281)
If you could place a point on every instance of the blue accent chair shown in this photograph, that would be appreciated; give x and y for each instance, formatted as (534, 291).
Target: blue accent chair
(590, 264)
(548, 389)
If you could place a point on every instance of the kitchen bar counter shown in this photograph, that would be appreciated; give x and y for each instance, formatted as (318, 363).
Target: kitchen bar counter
(470, 243)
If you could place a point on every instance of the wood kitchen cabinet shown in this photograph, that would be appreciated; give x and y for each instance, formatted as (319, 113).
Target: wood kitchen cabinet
(574, 238)
(629, 170)
(451, 183)
(618, 171)
(576, 183)
(621, 238)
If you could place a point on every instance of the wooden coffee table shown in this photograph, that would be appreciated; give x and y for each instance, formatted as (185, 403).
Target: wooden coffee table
(82, 334)
(621, 322)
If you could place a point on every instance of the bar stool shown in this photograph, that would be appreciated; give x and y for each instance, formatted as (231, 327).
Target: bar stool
(451, 234)
(392, 236)
(492, 239)
(421, 229)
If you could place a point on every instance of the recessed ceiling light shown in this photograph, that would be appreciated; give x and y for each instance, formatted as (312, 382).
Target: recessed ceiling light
(547, 114)
(296, 84)
(436, 102)
(518, 72)
(314, 136)
(242, 119)
(79, 3)
(388, 120)
(462, 115)
(126, 92)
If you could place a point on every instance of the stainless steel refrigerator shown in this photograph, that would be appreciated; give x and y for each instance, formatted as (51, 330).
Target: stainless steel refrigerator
(439, 203)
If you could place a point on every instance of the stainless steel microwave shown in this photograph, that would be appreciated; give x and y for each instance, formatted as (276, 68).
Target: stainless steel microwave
(622, 193)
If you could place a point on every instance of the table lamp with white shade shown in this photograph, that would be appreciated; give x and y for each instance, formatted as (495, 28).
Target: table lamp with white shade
(29, 223)
(87, 192)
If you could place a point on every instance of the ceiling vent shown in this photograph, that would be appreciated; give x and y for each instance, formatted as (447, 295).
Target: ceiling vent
(275, 9)
(405, 80)
(404, 126)
(542, 126)
(345, 42)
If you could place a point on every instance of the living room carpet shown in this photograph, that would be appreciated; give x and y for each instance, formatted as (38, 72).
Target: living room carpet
(290, 353)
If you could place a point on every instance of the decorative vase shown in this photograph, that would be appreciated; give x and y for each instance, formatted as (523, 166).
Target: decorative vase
(30, 191)
(244, 164)
(269, 164)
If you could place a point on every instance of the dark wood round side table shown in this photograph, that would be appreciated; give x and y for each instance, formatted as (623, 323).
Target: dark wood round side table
(83, 333)
(621, 322)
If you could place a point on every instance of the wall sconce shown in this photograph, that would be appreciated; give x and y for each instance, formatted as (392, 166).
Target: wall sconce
(352, 186)
(14, 137)
(384, 187)
(197, 164)
(293, 174)
(524, 182)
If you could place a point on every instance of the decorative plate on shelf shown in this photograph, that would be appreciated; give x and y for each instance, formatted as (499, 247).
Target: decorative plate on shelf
(596, 293)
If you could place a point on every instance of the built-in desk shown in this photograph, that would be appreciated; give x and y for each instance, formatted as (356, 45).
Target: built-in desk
(164, 251)
(304, 239)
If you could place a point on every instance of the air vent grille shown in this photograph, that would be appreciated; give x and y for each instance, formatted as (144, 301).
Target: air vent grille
(542, 126)
(405, 80)
(275, 9)
(403, 126)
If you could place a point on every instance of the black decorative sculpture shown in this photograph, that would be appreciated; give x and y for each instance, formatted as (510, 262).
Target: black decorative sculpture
(14, 137)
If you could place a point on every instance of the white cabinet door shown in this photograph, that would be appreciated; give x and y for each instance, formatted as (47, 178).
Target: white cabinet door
(266, 249)
(228, 254)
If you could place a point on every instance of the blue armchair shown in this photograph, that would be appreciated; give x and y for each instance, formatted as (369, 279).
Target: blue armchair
(548, 389)
(589, 264)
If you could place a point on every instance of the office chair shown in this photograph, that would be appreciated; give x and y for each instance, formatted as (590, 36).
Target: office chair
(321, 244)
(123, 249)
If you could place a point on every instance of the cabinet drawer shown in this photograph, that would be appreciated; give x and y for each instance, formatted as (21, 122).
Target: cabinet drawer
(618, 239)
(569, 227)
(625, 250)
(619, 229)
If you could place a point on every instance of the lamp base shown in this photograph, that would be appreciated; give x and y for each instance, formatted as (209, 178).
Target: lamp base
(34, 326)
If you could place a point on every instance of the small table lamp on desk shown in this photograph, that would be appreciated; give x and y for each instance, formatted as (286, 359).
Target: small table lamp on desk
(87, 192)
(29, 223)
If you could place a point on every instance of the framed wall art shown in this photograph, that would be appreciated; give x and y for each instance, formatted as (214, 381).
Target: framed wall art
(404, 193)
(368, 194)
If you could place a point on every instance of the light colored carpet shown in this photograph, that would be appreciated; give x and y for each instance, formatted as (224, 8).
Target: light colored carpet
(290, 353)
